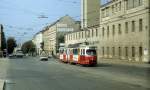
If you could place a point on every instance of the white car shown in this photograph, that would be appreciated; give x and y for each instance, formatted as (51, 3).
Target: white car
(19, 54)
(44, 56)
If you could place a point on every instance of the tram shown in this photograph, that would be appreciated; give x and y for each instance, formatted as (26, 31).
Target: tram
(83, 55)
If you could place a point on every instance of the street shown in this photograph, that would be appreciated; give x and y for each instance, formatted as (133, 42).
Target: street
(30, 73)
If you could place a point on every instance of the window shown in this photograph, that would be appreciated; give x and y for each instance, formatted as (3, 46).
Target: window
(113, 51)
(87, 34)
(103, 51)
(130, 4)
(116, 6)
(107, 11)
(133, 26)
(92, 34)
(75, 51)
(133, 51)
(71, 37)
(133, 3)
(83, 51)
(119, 6)
(113, 9)
(140, 2)
(76, 36)
(91, 52)
(126, 51)
(126, 27)
(103, 31)
(113, 30)
(140, 25)
(136, 3)
(140, 52)
(96, 32)
(119, 51)
(107, 31)
(108, 51)
(119, 28)
(79, 34)
(103, 13)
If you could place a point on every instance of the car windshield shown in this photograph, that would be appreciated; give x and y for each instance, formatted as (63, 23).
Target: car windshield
(19, 51)
(91, 52)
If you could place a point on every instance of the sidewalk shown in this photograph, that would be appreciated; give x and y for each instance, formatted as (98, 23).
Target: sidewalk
(1, 84)
(124, 62)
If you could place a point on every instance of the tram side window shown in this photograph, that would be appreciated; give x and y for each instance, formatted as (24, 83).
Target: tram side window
(91, 52)
(61, 51)
(75, 51)
(83, 51)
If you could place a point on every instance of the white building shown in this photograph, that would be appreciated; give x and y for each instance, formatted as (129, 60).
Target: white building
(37, 41)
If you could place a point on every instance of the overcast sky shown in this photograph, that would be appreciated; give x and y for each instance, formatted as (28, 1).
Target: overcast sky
(21, 17)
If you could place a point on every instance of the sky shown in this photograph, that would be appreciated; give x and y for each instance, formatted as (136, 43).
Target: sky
(21, 17)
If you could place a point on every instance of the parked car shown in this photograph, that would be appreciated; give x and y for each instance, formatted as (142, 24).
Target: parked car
(19, 53)
(44, 56)
(11, 55)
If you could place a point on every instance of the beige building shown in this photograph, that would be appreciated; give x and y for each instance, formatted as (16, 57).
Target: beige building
(54, 33)
(45, 39)
(124, 30)
(89, 13)
(89, 25)
(122, 33)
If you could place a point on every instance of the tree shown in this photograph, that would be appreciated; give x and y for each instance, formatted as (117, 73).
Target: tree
(42, 46)
(3, 39)
(61, 39)
(11, 44)
(28, 47)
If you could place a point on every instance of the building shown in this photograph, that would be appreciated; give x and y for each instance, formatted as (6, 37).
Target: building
(89, 24)
(54, 33)
(1, 29)
(89, 13)
(123, 31)
(38, 39)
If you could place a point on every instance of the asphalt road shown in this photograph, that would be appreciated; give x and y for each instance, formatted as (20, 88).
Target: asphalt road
(32, 74)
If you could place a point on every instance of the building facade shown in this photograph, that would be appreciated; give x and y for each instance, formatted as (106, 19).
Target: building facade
(38, 39)
(89, 13)
(89, 25)
(1, 28)
(54, 33)
(45, 38)
(123, 32)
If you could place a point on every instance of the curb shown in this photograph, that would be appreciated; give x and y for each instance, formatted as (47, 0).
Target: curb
(1, 84)
(124, 63)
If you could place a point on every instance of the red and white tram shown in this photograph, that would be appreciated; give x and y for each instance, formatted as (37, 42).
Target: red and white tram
(84, 55)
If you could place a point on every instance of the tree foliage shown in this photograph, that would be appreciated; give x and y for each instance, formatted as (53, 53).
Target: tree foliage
(61, 39)
(28, 47)
(3, 40)
(11, 44)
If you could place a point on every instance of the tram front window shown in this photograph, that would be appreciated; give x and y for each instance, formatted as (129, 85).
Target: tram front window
(91, 52)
